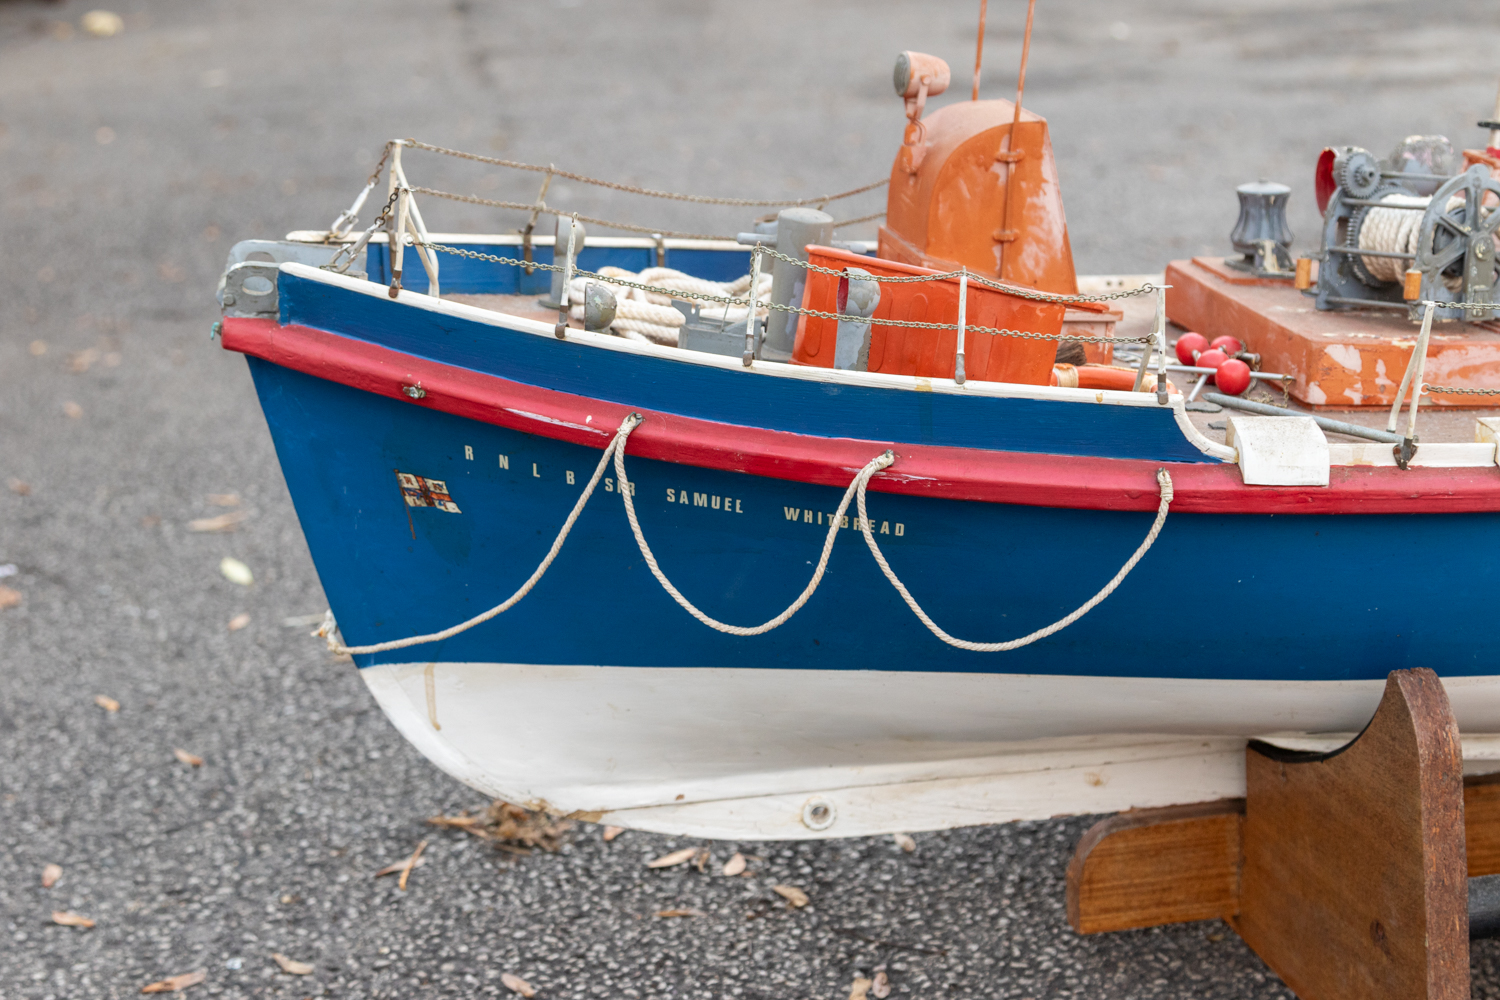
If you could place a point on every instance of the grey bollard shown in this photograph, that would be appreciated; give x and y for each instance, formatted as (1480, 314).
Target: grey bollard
(851, 351)
(599, 307)
(559, 256)
(795, 229)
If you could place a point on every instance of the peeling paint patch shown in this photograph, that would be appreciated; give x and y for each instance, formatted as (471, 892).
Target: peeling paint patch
(1315, 394)
(1346, 355)
(1381, 382)
(1355, 393)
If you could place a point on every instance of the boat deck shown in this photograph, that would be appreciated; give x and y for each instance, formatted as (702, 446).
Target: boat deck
(1433, 425)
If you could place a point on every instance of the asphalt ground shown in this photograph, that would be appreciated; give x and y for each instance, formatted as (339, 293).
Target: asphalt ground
(131, 163)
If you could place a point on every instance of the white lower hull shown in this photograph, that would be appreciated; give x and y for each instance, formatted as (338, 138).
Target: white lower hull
(748, 754)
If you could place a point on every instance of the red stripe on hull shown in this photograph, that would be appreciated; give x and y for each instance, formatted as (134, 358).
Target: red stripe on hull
(921, 470)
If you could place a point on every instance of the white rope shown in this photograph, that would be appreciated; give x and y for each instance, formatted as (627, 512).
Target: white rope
(874, 466)
(1397, 230)
(857, 487)
(1391, 230)
(616, 447)
(1163, 480)
(649, 315)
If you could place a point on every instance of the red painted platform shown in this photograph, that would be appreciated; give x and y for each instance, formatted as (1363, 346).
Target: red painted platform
(1340, 359)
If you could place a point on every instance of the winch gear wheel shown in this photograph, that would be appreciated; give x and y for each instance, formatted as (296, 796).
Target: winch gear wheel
(1356, 171)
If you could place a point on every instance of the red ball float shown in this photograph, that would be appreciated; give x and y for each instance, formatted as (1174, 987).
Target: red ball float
(1229, 345)
(1187, 344)
(1211, 359)
(1233, 376)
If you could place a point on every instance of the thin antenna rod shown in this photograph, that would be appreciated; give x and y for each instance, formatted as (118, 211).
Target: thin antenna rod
(1012, 155)
(979, 47)
(1021, 79)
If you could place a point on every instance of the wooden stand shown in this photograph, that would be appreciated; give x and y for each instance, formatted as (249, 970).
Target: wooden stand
(1346, 872)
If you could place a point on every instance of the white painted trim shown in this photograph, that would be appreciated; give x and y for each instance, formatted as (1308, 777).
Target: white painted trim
(1436, 455)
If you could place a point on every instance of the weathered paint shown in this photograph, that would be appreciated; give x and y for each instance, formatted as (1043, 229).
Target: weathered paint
(1341, 359)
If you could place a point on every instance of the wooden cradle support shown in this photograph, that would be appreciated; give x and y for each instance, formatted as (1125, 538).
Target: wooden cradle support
(1347, 872)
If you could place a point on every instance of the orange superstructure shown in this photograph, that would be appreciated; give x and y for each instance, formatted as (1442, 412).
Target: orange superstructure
(950, 209)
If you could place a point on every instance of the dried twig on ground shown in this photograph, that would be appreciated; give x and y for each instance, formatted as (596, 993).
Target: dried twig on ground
(510, 827)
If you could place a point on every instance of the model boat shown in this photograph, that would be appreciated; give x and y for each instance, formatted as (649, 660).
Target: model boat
(842, 550)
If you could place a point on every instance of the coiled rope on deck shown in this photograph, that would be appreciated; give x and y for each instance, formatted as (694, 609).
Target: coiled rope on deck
(856, 491)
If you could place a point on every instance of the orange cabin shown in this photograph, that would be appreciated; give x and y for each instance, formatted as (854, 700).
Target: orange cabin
(930, 353)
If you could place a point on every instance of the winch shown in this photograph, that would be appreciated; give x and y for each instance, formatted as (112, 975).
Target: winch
(1395, 237)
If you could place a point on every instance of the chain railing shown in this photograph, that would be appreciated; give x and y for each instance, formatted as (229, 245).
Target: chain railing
(801, 311)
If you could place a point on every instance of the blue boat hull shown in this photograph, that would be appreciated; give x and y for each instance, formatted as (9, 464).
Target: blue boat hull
(1255, 597)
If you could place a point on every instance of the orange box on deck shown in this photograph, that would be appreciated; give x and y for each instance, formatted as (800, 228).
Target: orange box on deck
(900, 350)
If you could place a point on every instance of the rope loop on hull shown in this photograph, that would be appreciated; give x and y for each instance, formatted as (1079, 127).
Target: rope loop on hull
(875, 465)
(616, 446)
(615, 453)
(1164, 481)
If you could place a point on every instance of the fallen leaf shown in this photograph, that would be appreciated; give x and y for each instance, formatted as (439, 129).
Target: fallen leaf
(9, 598)
(113, 359)
(904, 842)
(69, 919)
(38, 348)
(19, 487)
(397, 866)
(882, 985)
(79, 361)
(224, 499)
(517, 985)
(174, 983)
(411, 863)
(675, 858)
(50, 875)
(611, 832)
(235, 571)
(794, 896)
(102, 23)
(107, 703)
(860, 988)
(239, 621)
(688, 912)
(227, 521)
(72, 410)
(735, 865)
(190, 759)
(291, 966)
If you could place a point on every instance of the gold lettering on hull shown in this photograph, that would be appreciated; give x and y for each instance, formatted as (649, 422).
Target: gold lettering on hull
(724, 504)
(818, 517)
